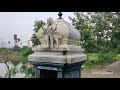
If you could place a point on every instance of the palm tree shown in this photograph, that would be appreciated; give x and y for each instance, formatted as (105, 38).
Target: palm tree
(15, 40)
(8, 42)
(18, 40)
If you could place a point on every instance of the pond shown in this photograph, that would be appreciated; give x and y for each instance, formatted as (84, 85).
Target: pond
(3, 70)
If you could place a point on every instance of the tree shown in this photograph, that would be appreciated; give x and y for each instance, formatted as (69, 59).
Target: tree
(115, 36)
(26, 51)
(15, 40)
(82, 24)
(102, 28)
(37, 25)
(18, 41)
(21, 43)
(4, 58)
(8, 42)
(95, 29)
(35, 40)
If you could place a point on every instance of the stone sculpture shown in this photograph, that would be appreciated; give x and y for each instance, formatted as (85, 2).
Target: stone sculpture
(59, 53)
(49, 34)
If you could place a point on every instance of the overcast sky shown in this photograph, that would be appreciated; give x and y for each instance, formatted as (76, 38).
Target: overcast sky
(21, 23)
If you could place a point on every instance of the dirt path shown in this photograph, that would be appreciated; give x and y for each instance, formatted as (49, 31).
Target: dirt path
(111, 71)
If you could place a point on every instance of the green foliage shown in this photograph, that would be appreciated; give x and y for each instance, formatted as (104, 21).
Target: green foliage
(92, 56)
(91, 61)
(35, 40)
(3, 50)
(115, 40)
(16, 48)
(89, 64)
(13, 71)
(37, 25)
(15, 63)
(23, 48)
(28, 69)
(98, 30)
(118, 57)
(106, 57)
(16, 40)
(27, 52)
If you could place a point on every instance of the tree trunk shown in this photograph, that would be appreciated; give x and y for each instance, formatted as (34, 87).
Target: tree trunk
(9, 73)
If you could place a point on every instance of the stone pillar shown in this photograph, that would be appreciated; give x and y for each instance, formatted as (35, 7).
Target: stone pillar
(51, 70)
(63, 57)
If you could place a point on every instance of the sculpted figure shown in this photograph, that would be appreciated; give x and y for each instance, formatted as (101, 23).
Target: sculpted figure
(48, 34)
(49, 31)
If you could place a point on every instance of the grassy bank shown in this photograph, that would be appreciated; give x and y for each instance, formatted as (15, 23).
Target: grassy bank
(93, 61)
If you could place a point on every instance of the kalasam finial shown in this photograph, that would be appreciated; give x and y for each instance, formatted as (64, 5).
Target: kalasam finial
(60, 15)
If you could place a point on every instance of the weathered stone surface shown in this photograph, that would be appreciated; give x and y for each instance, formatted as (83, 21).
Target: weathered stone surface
(66, 49)
(55, 70)
(60, 32)
(58, 55)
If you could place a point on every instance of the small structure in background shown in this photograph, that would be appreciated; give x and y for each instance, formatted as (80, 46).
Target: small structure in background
(59, 55)
(29, 43)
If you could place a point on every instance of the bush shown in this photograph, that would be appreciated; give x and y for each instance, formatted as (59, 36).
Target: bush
(27, 52)
(100, 59)
(16, 48)
(118, 49)
(28, 70)
(91, 61)
(89, 64)
(106, 57)
(23, 48)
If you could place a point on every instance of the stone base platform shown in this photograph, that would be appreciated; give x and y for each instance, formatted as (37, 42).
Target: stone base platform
(58, 55)
(58, 62)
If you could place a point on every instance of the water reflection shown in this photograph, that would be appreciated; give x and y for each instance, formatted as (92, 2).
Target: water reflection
(3, 70)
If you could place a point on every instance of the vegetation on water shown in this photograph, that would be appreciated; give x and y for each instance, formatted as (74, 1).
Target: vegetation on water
(16, 57)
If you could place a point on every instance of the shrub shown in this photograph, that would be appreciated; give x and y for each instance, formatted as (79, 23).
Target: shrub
(16, 48)
(106, 57)
(100, 59)
(27, 52)
(23, 48)
(89, 64)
